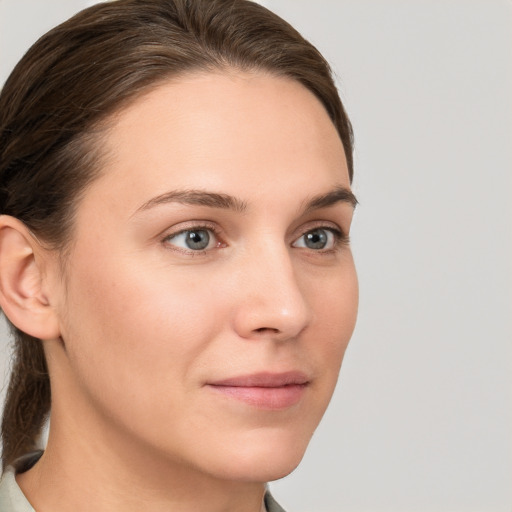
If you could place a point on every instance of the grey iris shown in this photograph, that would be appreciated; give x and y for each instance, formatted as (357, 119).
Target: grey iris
(316, 239)
(197, 240)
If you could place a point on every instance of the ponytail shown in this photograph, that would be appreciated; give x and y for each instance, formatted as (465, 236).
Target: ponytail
(27, 402)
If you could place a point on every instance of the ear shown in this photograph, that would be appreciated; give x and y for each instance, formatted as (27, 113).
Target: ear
(22, 296)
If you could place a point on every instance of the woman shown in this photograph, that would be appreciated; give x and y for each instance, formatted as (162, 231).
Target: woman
(174, 258)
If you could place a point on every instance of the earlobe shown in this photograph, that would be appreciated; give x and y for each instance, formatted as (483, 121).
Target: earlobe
(22, 296)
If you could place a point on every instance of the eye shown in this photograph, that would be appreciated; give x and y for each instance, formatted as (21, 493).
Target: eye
(194, 239)
(318, 239)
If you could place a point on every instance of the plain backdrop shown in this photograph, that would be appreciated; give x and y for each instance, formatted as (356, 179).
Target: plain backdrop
(422, 417)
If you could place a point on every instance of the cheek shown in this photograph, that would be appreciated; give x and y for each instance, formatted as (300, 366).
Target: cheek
(334, 302)
(136, 329)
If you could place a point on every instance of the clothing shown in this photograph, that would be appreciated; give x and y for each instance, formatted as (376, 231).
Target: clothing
(271, 504)
(12, 498)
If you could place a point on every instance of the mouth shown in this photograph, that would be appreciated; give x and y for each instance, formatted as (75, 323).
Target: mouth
(270, 391)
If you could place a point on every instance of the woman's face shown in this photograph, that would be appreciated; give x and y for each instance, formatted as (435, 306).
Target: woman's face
(210, 292)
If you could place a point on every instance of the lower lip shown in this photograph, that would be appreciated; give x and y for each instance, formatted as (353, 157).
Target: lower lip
(270, 398)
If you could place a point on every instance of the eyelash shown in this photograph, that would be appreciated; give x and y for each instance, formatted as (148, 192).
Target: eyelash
(196, 227)
(340, 239)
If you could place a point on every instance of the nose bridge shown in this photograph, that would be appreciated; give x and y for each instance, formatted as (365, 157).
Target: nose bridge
(273, 302)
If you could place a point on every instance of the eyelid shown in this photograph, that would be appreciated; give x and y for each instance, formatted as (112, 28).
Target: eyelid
(175, 231)
(319, 224)
(340, 236)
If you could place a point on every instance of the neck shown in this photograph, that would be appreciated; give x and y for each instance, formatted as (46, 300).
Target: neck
(52, 484)
(86, 469)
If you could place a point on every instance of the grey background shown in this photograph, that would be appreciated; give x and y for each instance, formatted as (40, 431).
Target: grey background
(422, 417)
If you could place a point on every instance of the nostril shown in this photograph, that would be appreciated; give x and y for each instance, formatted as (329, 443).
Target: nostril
(265, 329)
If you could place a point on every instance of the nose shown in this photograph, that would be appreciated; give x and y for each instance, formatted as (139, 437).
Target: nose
(271, 302)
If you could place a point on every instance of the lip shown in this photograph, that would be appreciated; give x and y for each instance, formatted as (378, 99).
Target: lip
(270, 391)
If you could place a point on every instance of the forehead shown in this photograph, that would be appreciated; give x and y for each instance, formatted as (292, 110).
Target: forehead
(240, 131)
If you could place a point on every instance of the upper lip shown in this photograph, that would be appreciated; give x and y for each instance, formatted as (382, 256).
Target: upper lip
(264, 380)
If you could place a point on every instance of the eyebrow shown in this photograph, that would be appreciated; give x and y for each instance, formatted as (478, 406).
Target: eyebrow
(338, 195)
(197, 197)
(228, 202)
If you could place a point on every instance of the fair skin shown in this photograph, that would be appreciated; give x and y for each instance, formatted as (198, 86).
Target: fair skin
(188, 368)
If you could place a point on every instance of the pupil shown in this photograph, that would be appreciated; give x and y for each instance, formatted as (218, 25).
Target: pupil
(316, 239)
(198, 239)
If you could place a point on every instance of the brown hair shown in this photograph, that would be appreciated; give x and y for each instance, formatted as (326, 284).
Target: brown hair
(77, 75)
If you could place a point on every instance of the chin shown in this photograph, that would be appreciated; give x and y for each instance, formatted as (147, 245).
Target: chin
(267, 470)
(266, 459)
